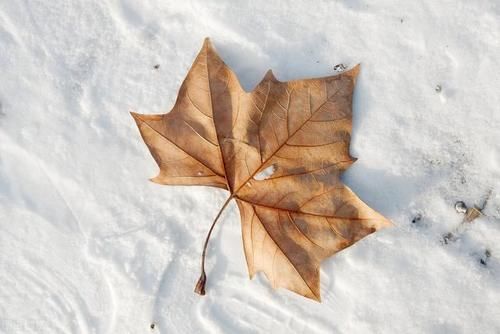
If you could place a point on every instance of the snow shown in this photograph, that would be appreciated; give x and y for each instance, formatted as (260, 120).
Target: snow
(88, 245)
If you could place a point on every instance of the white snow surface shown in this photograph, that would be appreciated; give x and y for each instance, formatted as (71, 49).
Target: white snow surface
(89, 245)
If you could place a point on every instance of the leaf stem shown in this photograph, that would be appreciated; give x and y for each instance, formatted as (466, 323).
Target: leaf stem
(200, 285)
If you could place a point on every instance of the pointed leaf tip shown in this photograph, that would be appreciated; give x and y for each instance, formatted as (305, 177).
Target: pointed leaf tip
(270, 76)
(136, 117)
(353, 72)
(209, 50)
(207, 44)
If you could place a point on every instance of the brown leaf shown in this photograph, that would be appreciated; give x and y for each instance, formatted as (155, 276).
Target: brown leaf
(219, 135)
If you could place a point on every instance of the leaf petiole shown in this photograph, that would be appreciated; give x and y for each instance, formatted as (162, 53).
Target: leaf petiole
(200, 285)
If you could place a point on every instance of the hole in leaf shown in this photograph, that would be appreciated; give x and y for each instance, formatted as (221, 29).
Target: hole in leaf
(265, 173)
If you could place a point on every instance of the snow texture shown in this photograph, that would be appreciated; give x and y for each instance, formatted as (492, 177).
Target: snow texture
(88, 245)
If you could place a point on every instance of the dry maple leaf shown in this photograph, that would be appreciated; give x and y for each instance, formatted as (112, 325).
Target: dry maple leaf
(299, 132)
